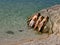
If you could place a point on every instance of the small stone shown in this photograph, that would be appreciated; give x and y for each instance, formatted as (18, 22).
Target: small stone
(20, 30)
(10, 32)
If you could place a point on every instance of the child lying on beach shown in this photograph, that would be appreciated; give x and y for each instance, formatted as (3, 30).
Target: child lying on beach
(42, 23)
(33, 19)
(38, 21)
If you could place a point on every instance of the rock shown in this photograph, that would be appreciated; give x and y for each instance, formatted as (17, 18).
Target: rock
(10, 32)
(20, 30)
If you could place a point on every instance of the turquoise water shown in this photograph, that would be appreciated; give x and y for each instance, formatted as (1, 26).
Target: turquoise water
(14, 13)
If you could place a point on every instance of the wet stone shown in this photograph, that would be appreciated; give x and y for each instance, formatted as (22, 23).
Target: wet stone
(20, 30)
(10, 32)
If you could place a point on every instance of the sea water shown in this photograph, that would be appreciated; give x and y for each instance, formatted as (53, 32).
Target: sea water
(13, 17)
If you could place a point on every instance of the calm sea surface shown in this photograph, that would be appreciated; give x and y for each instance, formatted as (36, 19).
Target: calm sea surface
(13, 17)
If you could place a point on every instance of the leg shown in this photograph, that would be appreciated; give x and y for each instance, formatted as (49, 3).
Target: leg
(40, 27)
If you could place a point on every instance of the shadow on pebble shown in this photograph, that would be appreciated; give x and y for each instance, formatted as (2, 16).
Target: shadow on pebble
(10, 32)
(20, 30)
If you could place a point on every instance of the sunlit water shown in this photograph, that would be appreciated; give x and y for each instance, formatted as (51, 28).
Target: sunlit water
(13, 17)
